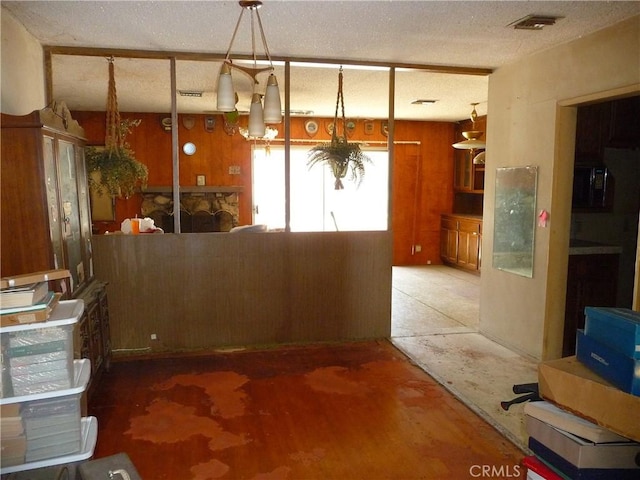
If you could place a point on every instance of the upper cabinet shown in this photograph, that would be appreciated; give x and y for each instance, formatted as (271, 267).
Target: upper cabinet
(613, 124)
(45, 212)
(468, 176)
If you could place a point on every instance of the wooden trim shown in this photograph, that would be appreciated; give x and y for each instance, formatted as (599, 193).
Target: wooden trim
(201, 56)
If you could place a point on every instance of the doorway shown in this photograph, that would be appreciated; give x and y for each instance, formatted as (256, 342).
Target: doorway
(607, 135)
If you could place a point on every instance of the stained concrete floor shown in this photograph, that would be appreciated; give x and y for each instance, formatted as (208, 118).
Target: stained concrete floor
(435, 320)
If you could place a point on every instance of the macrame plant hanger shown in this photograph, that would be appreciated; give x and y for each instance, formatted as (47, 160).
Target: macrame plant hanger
(113, 137)
(339, 168)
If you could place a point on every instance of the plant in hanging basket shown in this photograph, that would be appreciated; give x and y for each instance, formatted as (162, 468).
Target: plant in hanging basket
(120, 173)
(340, 155)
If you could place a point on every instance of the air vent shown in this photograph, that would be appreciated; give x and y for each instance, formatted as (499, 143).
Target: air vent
(423, 102)
(534, 22)
(190, 93)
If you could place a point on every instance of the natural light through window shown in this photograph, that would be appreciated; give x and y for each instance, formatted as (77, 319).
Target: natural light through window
(315, 204)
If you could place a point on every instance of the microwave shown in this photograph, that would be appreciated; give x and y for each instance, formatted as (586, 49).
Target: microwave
(591, 187)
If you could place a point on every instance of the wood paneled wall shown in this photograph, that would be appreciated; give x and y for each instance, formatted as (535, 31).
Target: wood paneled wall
(208, 290)
(422, 170)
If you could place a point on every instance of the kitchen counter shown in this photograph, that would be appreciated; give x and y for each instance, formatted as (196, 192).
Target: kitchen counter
(585, 247)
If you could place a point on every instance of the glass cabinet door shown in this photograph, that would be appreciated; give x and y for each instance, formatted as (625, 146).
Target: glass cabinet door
(55, 219)
(71, 232)
(85, 212)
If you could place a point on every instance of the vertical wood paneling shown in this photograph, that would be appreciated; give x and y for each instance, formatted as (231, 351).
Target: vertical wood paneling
(198, 291)
(415, 213)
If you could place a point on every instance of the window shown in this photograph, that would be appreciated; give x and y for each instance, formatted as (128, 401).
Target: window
(315, 204)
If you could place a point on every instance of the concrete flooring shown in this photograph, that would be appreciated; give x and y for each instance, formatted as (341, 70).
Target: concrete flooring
(435, 317)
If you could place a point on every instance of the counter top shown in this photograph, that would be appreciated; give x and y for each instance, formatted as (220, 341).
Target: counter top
(585, 247)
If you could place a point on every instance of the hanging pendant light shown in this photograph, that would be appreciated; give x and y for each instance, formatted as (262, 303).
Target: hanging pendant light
(472, 137)
(272, 112)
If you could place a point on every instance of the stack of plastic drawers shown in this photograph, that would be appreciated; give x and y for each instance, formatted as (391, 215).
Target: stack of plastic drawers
(41, 388)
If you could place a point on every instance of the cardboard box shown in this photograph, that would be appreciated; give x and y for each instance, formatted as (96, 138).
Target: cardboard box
(583, 453)
(613, 366)
(619, 328)
(568, 470)
(572, 386)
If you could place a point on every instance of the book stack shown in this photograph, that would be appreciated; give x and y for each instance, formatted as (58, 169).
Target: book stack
(591, 430)
(37, 360)
(13, 442)
(27, 298)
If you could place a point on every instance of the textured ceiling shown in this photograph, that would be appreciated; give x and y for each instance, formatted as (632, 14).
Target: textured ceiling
(441, 33)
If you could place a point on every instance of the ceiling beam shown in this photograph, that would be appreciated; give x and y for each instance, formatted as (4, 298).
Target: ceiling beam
(203, 56)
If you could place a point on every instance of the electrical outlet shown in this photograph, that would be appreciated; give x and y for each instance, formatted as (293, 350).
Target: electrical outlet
(418, 248)
(428, 262)
(234, 169)
(154, 336)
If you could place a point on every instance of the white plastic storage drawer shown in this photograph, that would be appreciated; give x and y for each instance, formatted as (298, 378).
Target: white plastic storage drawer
(38, 357)
(42, 426)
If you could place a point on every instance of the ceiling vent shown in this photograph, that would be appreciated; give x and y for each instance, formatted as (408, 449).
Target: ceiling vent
(422, 101)
(534, 22)
(190, 93)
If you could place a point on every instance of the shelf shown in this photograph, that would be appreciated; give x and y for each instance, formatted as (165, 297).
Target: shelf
(195, 189)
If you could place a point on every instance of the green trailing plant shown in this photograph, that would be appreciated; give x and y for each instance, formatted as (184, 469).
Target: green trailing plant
(119, 173)
(340, 154)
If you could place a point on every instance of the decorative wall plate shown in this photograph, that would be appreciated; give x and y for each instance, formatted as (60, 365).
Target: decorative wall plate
(166, 124)
(188, 121)
(385, 128)
(329, 128)
(311, 127)
(189, 148)
(351, 127)
(368, 128)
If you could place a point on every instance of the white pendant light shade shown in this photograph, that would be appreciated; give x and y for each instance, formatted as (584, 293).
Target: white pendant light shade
(226, 94)
(472, 144)
(257, 128)
(272, 106)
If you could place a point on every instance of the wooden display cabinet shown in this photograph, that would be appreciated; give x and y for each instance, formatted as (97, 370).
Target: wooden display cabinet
(45, 216)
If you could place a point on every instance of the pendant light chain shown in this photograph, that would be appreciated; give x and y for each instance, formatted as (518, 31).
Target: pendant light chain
(113, 138)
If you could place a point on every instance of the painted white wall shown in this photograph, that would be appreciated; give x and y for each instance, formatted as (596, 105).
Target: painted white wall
(531, 121)
(22, 69)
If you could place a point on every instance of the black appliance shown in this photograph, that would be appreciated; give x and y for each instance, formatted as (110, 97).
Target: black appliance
(591, 187)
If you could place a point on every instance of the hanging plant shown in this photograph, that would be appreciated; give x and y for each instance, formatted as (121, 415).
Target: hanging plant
(340, 154)
(120, 174)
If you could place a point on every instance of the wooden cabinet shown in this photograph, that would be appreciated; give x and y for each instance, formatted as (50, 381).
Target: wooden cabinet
(591, 281)
(45, 216)
(461, 241)
(613, 124)
(92, 337)
(468, 177)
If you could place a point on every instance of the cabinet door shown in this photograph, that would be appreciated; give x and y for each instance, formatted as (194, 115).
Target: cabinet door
(53, 202)
(469, 244)
(449, 239)
(462, 173)
(71, 231)
(85, 212)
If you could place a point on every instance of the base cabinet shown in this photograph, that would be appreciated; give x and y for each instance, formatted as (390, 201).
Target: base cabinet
(92, 334)
(591, 282)
(461, 241)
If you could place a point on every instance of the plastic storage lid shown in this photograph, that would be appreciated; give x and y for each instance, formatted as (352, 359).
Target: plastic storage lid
(81, 374)
(88, 439)
(66, 312)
